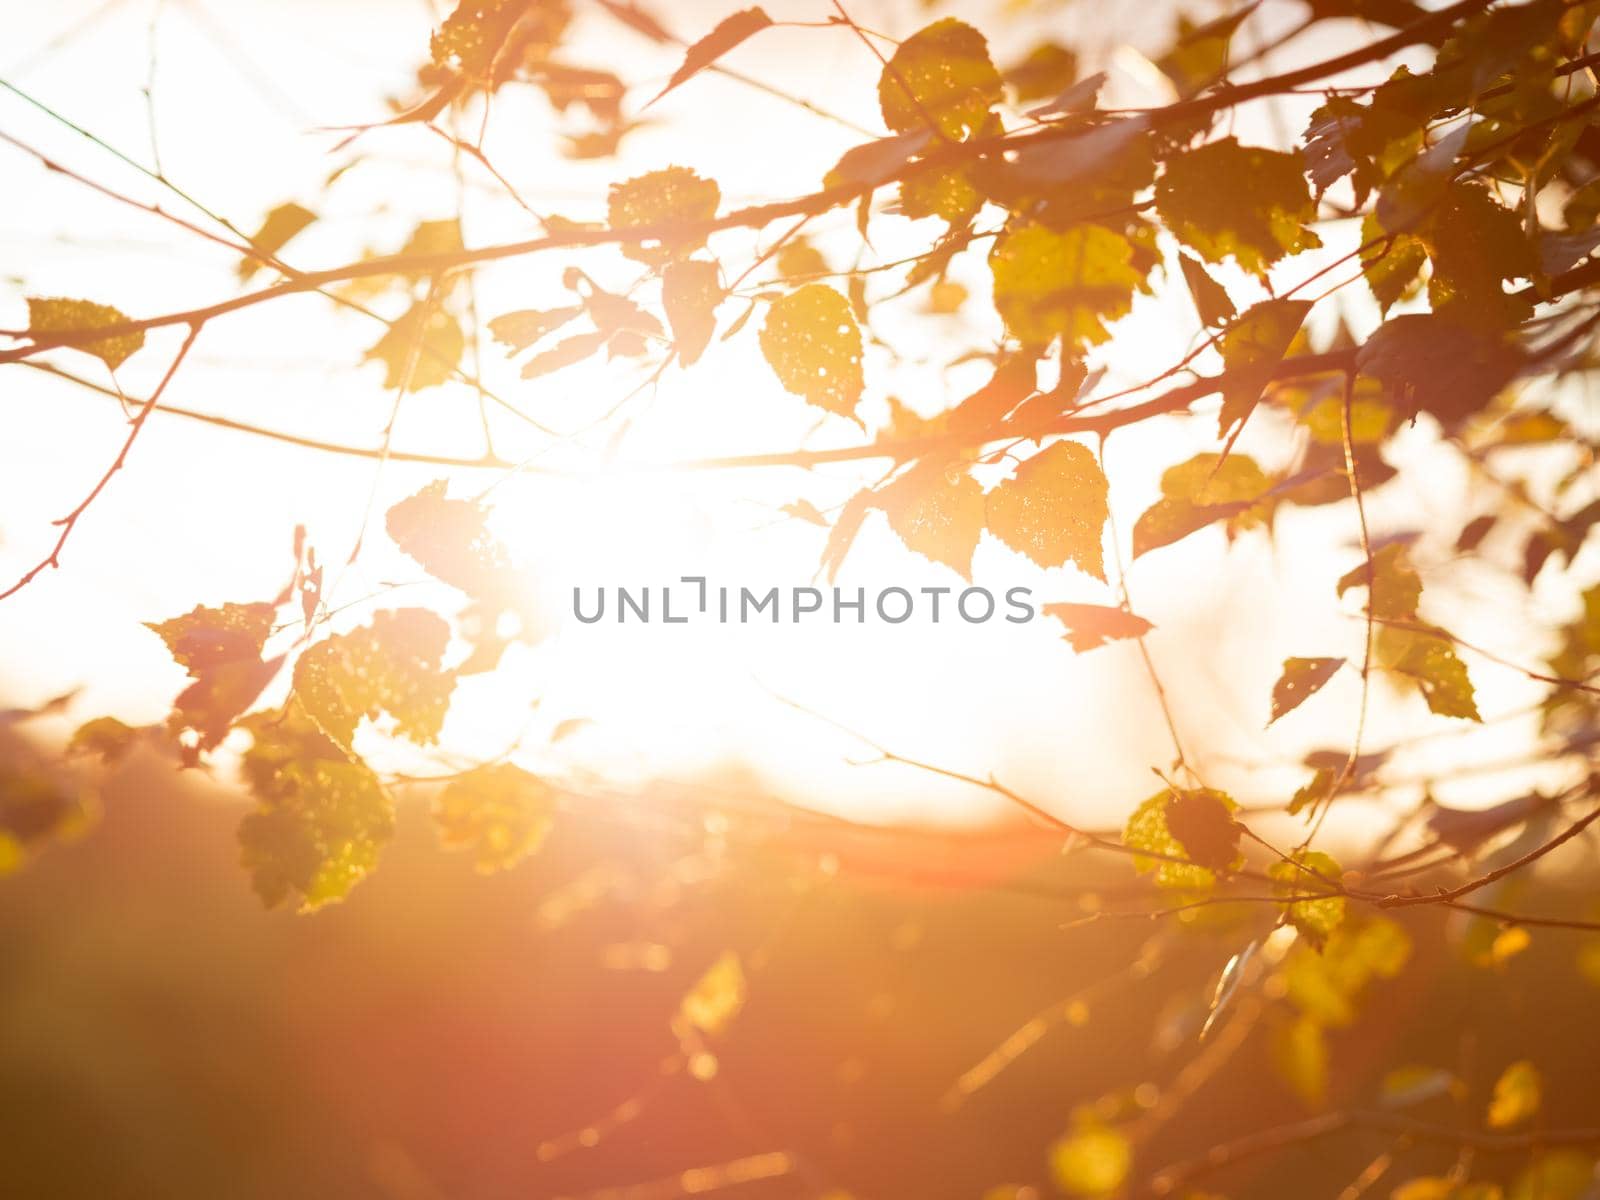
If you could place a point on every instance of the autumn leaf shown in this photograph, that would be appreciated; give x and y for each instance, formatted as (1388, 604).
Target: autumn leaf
(389, 666)
(221, 648)
(1091, 1160)
(451, 540)
(717, 996)
(812, 342)
(1517, 1094)
(729, 32)
(1314, 791)
(523, 328)
(1428, 659)
(1054, 508)
(1396, 589)
(322, 817)
(107, 738)
(1148, 829)
(282, 224)
(941, 74)
(1200, 54)
(1309, 872)
(1252, 347)
(420, 350)
(57, 315)
(1071, 284)
(675, 196)
(500, 812)
(1198, 196)
(1047, 70)
(1197, 493)
(690, 293)
(1092, 625)
(1301, 679)
(1300, 1053)
(1211, 299)
(1201, 819)
(938, 513)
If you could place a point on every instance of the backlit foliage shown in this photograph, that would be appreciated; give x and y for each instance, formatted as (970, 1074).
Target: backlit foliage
(1374, 224)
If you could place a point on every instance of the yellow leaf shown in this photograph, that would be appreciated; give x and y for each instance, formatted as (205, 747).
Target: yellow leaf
(279, 226)
(1516, 1096)
(717, 997)
(1305, 875)
(942, 74)
(421, 349)
(1054, 508)
(690, 293)
(1198, 196)
(56, 314)
(1070, 284)
(1396, 589)
(1091, 1161)
(391, 665)
(501, 812)
(1430, 661)
(669, 197)
(813, 345)
(1301, 1054)
(938, 514)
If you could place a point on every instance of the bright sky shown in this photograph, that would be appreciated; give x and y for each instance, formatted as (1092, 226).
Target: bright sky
(203, 515)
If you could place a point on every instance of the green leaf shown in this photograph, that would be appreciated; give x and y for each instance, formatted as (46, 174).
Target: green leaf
(1054, 509)
(1516, 1096)
(665, 198)
(691, 290)
(1301, 679)
(1071, 284)
(1211, 299)
(1196, 493)
(729, 32)
(813, 344)
(941, 74)
(390, 666)
(280, 226)
(1252, 348)
(55, 314)
(938, 513)
(1396, 588)
(1198, 196)
(420, 350)
(1092, 625)
(1315, 919)
(1091, 1160)
(1430, 661)
(500, 812)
